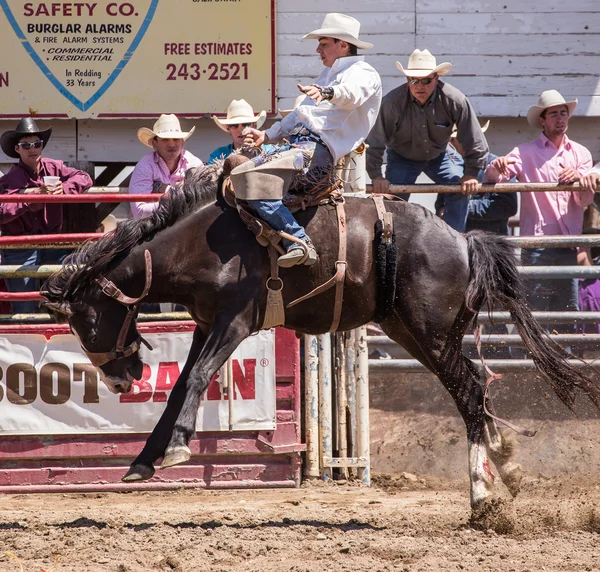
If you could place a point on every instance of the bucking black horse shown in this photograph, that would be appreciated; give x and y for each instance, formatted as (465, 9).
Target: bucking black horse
(194, 250)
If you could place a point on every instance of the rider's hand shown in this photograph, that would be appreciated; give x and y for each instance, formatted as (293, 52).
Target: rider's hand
(501, 164)
(312, 91)
(253, 137)
(590, 182)
(469, 185)
(381, 186)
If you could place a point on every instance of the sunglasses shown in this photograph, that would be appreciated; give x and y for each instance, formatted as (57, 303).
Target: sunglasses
(424, 80)
(29, 144)
(236, 125)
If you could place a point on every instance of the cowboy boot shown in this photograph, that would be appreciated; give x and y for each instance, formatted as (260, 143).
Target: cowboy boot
(299, 254)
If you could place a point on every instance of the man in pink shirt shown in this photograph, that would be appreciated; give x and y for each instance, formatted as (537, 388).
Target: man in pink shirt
(165, 166)
(551, 158)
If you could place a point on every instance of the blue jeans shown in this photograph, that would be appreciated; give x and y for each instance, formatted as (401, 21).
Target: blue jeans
(444, 170)
(28, 257)
(554, 294)
(274, 212)
(279, 217)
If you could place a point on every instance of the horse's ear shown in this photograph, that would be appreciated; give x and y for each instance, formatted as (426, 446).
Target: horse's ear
(60, 308)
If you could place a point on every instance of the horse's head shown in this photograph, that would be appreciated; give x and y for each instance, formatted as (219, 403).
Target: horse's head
(103, 319)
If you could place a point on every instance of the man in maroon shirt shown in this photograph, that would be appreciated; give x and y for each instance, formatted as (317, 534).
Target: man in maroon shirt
(30, 175)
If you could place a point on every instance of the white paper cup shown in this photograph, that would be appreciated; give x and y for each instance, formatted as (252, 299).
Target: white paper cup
(51, 181)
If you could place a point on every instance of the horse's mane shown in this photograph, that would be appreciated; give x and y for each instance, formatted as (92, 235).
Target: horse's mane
(93, 258)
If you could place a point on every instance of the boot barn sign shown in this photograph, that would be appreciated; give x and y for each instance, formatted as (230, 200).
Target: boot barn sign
(135, 58)
(48, 387)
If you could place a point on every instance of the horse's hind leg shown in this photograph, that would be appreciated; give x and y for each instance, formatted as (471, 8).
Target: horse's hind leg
(499, 447)
(426, 341)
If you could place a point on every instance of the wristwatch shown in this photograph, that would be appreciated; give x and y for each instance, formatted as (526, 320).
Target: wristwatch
(326, 92)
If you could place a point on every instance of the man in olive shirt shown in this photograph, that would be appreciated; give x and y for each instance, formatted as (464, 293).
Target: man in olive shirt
(415, 123)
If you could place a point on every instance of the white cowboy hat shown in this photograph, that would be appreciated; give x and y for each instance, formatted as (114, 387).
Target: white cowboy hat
(109, 223)
(297, 102)
(548, 99)
(484, 128)
(240, 111)
(166, 127)
(422, 64)
(340, 27)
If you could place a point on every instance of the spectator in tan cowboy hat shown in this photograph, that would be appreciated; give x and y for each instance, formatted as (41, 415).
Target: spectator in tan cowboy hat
(333, 120)
(165, 166)
(414, 126)
(239, 116)
(551, 158)
(297, 102)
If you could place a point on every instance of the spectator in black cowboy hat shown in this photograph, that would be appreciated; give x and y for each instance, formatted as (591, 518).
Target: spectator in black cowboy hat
(33, 174)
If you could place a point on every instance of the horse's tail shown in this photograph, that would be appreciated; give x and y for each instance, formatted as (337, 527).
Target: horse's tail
(495, 281)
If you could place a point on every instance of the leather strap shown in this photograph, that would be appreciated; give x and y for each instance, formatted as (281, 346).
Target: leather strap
(340, 274)
(385, 217)
(112, 291)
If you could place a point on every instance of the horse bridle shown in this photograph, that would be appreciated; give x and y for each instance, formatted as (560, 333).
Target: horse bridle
(112, 291)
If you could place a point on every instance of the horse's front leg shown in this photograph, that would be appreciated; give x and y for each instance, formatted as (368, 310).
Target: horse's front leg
(142, 467)
(224, 337)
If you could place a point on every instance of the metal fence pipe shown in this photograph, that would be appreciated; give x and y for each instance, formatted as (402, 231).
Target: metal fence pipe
(560, 271)
(496, 365)
(544, 317)
(311, 405)
(485, 188)
(44, 318)
(47, 240)
(351, 390)
(325, 403)
(19, 271)
(341, 399)
(498, 340)
(362, 405)
(82, 198)
(553, 241)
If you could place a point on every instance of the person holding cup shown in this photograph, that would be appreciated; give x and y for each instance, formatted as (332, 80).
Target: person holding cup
(33, 174)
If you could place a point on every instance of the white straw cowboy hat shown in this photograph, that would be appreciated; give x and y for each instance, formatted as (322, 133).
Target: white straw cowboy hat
(297, 102)
(166, 127)
(484, 128)
(548, 99)
(240, 111)
(340, 27)
(422, 64)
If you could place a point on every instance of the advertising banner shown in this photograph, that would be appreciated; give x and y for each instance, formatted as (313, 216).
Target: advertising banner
(49, 387)
(135, 58)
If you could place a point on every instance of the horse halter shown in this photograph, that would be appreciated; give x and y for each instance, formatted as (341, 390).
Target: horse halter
(112, 291)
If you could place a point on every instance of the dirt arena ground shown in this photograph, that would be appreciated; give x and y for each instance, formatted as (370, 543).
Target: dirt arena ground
(415, 517)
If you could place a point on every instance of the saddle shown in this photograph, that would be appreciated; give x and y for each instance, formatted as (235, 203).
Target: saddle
(322, 193)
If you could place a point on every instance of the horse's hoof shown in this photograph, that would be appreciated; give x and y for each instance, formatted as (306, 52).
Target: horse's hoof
(176, 456)
(138, 473)
(493, 514)
(512, 478)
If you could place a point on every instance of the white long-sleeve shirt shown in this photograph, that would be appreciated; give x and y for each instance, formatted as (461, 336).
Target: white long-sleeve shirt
(344, 122)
